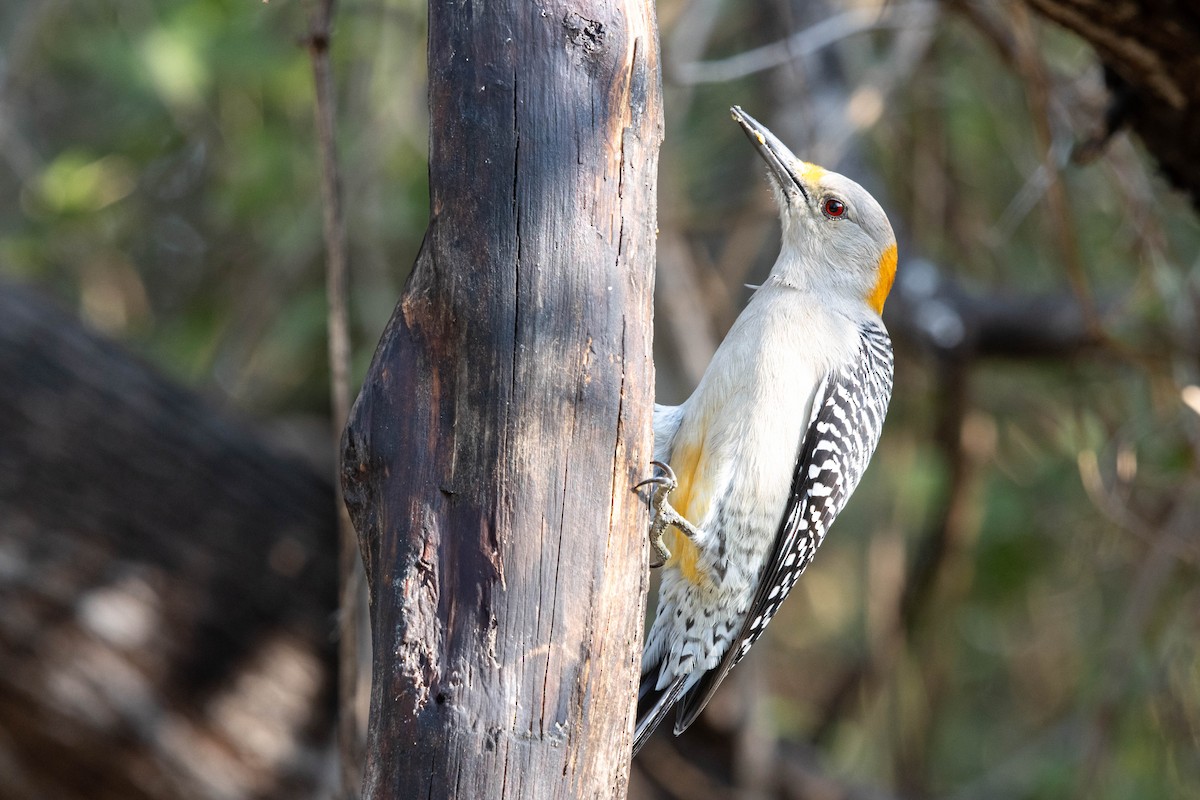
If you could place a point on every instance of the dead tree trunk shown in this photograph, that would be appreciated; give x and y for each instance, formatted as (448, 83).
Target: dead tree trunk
(489, 458)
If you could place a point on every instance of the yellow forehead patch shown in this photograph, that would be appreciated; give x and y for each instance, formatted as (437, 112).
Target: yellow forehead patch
(885, 275)
(810, 173)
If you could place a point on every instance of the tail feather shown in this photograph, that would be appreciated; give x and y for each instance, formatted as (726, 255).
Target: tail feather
(696, 698)
(653, 704)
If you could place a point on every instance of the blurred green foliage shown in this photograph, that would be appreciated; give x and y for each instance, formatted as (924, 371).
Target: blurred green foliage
(157, 171)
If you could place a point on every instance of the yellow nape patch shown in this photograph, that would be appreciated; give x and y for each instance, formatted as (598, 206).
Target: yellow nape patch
(885, 276)
(690, 498)
(810, 173)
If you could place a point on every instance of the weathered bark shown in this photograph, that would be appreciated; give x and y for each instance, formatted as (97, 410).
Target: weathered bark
(1152, 50)
(489, 457)
(162, 573)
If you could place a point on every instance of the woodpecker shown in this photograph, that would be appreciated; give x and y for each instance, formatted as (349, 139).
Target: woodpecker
(754, 466)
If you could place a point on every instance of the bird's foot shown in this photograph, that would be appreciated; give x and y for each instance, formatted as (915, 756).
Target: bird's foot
(658, 549)
(664, 514)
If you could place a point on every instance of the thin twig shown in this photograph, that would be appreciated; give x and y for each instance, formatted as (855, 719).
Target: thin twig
(803, 43)
(1119, 511)
(336, 273)
(987, 24)
(349, 729)
(17, 151)
(1033, 71)
(1149, 584)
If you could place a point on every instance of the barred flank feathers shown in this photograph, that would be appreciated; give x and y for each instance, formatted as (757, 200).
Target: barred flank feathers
(845, 427)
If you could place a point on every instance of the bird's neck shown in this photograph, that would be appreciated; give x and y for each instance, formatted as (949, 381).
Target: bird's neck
(797, 270)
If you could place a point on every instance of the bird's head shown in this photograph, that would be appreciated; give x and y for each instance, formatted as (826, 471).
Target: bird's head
(835, 236)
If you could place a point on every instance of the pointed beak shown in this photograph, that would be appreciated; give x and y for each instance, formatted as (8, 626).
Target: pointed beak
(778, 157)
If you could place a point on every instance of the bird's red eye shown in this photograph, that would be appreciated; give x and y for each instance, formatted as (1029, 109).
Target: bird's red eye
(833, 207)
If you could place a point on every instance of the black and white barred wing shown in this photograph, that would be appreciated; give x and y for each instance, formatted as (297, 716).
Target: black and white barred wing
(846, 421)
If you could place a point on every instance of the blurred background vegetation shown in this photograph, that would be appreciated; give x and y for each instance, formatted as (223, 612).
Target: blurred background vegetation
(1008, 608)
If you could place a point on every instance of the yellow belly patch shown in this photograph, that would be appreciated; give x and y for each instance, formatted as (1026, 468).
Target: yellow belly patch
(691, 499)
(685, 460)
(685, 556)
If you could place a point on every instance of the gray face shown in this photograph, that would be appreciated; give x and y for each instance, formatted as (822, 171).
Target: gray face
(834, 232)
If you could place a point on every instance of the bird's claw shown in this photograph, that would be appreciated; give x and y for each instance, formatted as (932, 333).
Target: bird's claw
(664, 514)
(667, 480)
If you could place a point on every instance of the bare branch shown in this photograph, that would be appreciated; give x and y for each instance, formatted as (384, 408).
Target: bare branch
(1151, 65)
(1033, 71)
(351, 722)
(806, 42)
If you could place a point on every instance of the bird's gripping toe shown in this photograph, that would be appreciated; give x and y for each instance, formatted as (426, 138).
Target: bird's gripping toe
(664, 514)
